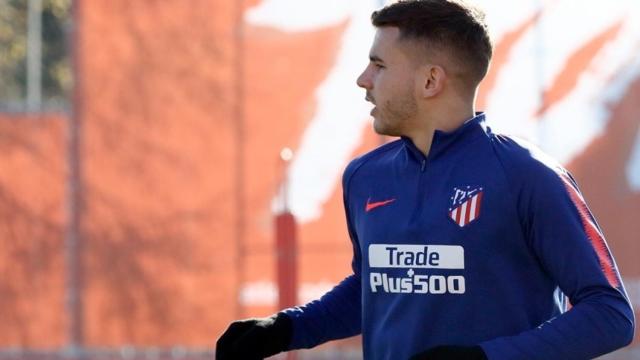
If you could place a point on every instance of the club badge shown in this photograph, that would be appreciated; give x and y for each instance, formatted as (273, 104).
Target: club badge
(465, 205)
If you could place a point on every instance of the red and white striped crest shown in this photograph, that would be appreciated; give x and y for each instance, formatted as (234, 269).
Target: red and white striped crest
(466, 205)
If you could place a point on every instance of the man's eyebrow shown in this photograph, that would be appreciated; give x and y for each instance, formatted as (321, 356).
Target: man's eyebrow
(375, 58)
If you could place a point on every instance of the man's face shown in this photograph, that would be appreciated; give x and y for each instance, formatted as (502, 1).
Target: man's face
(390, 83)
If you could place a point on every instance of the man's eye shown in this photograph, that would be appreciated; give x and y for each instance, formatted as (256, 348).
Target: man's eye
(379, 66)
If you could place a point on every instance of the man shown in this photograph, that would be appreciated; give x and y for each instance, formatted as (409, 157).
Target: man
(466, 243)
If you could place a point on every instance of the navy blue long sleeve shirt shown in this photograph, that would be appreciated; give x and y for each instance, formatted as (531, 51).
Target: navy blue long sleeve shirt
(479, 243)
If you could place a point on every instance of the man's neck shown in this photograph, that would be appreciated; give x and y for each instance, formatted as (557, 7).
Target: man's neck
(447, 121)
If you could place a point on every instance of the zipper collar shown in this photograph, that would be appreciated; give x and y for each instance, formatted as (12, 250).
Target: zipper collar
(443, 141)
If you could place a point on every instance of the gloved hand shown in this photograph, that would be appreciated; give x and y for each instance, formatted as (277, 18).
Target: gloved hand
(255, 339)
(451, 352)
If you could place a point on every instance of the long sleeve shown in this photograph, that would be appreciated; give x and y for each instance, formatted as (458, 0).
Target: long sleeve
(570, 246)
(336, 315)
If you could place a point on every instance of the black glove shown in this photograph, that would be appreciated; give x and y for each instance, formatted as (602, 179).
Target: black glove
(451, 352)
(255, 339)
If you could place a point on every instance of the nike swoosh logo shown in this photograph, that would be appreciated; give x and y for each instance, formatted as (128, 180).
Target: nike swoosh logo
(372, 205)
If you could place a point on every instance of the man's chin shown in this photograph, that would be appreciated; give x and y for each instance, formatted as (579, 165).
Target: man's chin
(381, 129)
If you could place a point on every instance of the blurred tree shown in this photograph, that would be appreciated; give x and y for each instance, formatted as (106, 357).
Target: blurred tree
(56, 72)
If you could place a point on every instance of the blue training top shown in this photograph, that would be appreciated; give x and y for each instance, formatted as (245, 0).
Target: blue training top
(475, 244)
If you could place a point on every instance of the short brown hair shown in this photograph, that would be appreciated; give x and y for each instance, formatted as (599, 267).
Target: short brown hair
(453, 26)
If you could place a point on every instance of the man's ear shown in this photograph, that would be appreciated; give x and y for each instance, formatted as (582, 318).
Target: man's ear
(433, 80)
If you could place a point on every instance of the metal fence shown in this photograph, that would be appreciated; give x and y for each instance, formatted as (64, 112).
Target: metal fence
(182, 353)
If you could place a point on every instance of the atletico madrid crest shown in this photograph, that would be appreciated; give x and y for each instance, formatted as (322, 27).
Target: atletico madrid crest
(465, 205)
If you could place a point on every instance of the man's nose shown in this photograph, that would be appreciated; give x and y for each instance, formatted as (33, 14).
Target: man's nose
(364, 80)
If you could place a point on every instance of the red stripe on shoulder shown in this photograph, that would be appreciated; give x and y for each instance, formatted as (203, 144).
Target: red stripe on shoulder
(593, 233)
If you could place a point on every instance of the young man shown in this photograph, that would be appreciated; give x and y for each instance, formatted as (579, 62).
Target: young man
(465, 242)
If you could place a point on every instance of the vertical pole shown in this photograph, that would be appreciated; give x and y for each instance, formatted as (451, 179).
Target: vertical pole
(34, 55)
(73, 238)
(286, 245)
(239, 121)
(287, 274)
(286, 260)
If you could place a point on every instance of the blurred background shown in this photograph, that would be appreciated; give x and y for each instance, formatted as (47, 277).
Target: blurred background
(146, 179)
